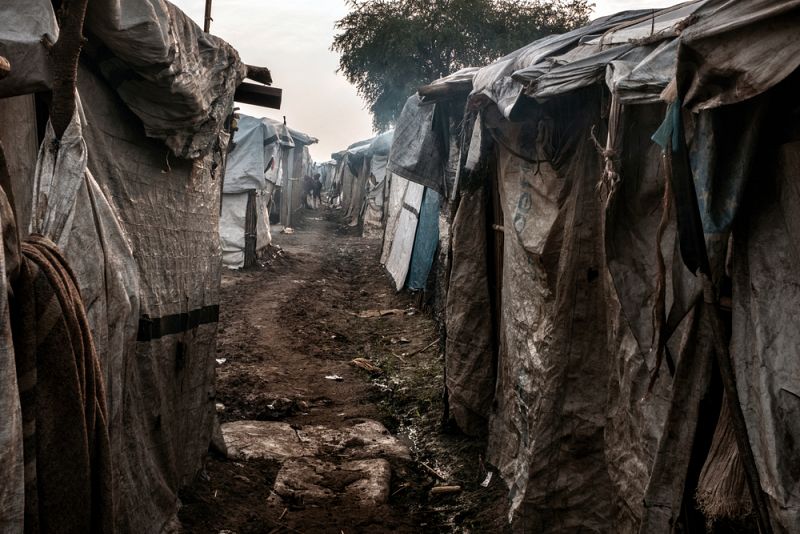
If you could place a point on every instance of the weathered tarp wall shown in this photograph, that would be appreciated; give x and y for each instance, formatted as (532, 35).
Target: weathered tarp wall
(252, 166)
(590, 432)
(138, 226)
(165, 388)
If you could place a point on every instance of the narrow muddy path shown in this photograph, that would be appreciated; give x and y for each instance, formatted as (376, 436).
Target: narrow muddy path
(329, 391)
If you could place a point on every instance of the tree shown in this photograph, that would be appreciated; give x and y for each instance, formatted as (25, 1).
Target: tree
(388, 48)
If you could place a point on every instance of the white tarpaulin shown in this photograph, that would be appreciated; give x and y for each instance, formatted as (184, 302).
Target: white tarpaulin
(399, 258)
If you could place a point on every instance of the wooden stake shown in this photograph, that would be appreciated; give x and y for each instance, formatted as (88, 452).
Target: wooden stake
(65, 54)
(207, 20)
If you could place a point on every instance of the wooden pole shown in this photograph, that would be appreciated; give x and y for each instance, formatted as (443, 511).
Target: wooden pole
(207, 20)
(65, 54)
(250, 231)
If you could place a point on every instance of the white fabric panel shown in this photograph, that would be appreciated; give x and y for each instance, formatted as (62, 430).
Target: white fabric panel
(397, 263)
(231, 229)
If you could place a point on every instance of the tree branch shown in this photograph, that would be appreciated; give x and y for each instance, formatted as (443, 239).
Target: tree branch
(65, 55)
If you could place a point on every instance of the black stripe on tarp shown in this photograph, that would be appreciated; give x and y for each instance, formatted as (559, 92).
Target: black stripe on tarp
(151, 328)
(412, 209)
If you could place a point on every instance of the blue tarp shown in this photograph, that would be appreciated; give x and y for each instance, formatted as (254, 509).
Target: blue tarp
(425, 242)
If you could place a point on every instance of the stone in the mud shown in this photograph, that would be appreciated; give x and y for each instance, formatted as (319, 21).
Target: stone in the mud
(313, 482)
(273, 440)
(365, 439)
(268, 440)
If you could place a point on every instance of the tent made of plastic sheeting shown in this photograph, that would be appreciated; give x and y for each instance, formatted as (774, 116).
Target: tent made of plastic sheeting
(138, 227)
(580, 336)
(422, 168)
(327, 172)
(296, 164)
(163, 66)
(359, 183)
(252, 170)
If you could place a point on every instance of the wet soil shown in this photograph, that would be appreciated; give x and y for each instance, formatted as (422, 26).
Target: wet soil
(319, 301)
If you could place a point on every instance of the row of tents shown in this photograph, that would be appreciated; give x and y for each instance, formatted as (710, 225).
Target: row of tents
(264, 181)
(112, 260)
(609, 220)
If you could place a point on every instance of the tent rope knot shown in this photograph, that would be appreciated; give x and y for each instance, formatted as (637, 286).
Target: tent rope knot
(610, 177)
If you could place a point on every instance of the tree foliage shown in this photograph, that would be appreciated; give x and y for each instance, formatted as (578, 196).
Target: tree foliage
(388, 48)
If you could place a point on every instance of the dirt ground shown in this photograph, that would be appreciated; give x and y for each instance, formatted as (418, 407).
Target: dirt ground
(319, 301)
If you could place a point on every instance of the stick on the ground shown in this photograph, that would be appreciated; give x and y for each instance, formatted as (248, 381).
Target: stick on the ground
(423, 349)
(445, 490)
(432, 471)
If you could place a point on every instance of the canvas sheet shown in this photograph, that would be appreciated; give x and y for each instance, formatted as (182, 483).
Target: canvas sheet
(394, 204)
(633, 213)
(256, 150)
(232, 226)
(764, 344)
(470, 352)
(416, 154)
(177, 79)
(426, 241)
(402, 245)
(163, 383)
(231, 229)
(12, 465)
(752, 46)
(494, 83)
(24, 24)
(547, 429)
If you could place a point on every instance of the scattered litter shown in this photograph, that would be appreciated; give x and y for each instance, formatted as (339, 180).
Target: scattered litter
(367, 365)
(334, 377)
(220, 407)
(487, 480)
(287, 230)
(445, 490)
(399, 340)
(432, 471)
(220, 361)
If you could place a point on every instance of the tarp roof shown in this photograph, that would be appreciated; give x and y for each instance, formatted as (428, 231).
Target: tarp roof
(301, 138)
(374, 146)
(636, 52)
(176, 78)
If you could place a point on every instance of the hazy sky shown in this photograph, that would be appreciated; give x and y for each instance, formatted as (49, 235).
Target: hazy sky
(292, 39)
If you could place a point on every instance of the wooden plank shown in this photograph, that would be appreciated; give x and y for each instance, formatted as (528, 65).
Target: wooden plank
(250, 229)
(259, 95)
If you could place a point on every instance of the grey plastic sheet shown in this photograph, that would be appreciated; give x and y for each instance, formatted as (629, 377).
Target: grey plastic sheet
(12, 466)
(177, 79)
(469, 351)
(766, 332)
(164, 393)
(416, 154)
(26, 26)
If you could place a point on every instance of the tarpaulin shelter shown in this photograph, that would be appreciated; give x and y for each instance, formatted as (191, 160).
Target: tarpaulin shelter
(327, 172)
(130, 194)
(296, 164)
(253, 168)
(423, 165)
(624, 199)
(360, 178)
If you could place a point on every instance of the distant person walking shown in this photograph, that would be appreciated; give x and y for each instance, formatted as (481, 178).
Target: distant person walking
(308, 188)
(317, 191)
